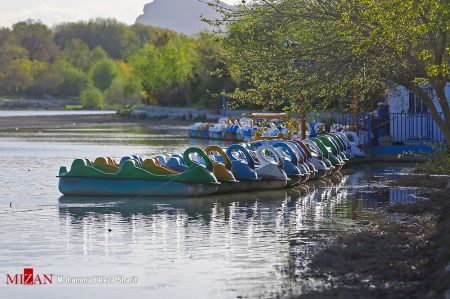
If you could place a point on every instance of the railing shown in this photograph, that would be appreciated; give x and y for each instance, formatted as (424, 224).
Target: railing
(393, 128)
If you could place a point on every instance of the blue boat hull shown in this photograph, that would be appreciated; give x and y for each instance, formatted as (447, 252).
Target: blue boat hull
(215, 135)
(82, 186)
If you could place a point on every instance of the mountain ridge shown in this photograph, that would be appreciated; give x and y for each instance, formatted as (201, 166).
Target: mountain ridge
(183, 16)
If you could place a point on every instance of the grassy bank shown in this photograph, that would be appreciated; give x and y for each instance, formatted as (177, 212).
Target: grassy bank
(436, 165)
(402, 252)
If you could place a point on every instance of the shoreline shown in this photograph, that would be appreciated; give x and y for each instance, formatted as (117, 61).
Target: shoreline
(401, 252)
(8, 123)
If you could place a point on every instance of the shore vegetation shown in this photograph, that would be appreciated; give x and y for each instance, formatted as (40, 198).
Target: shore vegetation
(126, 64)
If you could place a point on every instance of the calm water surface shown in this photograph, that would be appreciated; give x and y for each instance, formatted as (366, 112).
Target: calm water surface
(230, 246)
(9, 113)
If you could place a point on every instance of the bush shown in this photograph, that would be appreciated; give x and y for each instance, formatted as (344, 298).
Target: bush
(121, 93)
(439, 165)
(102, 73)
(92, 97)
(72, 80)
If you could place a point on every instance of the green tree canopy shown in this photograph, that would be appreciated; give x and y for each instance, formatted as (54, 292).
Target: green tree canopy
(125, 62)
(163, 68)
(37, 39)
(72, 80)
(102, 73)
(92, 97)
(328, 50)
(77, 53)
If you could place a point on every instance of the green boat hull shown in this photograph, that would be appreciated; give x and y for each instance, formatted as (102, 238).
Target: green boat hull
(85, 186)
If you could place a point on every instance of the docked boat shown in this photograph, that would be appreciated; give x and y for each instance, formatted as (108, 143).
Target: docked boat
(222, 171)
(265, 176)
(268, 164)
(134, 179)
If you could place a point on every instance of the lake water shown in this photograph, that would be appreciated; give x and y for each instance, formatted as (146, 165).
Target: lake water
(11, 113)
(231, 246)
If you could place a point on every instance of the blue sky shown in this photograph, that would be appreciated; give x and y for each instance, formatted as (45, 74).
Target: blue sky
(56, 11)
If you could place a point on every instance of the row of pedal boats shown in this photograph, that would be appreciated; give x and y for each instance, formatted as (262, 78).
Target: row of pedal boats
(260, 165)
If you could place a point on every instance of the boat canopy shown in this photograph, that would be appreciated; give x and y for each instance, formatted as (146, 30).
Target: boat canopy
(269, 115)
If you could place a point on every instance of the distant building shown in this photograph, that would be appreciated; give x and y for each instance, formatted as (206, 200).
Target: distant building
(409, 118)
(402, 100)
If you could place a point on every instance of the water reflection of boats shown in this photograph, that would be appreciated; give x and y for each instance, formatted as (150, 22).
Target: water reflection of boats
(127, 206)
(80, 207)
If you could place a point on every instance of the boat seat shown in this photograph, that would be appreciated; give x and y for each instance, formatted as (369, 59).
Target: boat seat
(241, 169)
(137, 159)
(106, 165)
(154, 166)
(221, 170)
(177, 164)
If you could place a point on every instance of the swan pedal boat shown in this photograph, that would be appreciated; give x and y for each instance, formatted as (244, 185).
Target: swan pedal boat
(255, 166)
(105, 178)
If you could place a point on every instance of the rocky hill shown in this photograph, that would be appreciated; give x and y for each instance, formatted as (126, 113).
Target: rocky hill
(183, 16)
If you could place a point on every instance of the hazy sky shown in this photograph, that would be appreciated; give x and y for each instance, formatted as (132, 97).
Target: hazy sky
(56, 11)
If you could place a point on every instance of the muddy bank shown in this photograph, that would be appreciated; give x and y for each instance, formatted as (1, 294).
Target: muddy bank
(401, 252)
(67, 121)
(422, 180)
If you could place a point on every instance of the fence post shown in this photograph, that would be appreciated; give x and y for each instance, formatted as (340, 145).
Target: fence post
(369, 129)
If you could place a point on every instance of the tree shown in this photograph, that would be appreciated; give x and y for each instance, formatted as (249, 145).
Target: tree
(114, 37)
(17, 76)
(210, 75)
(102, 73)
(37, 39)
(92, 97)
(97, 54)
(335, 48)
(77, 53)
(11, 52)
(72, 80)
(125, 88)
(45, 78)
(164, 70)
(144, 34)
(13, 60)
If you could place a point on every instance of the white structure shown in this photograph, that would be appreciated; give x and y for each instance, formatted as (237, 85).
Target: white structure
(409, 118)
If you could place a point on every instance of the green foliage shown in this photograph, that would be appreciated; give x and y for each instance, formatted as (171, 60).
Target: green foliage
(102, 73)
(108, 34)
(329, 50)
(163, 68)
(77, 54)
(37, 39)
(112, 36)
(18, 75)
(73, 80)
(92, 97)
(45, 78)
(122, 92)
(210, 75)
(125, 63)
(440, 165)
